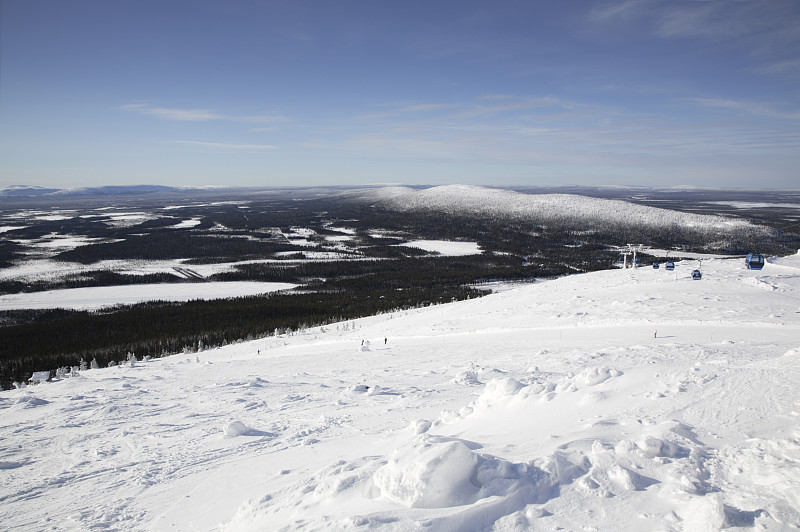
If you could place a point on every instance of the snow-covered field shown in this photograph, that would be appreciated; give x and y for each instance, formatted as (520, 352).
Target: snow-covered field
(93, 298)
(446, 247)
(615, 400)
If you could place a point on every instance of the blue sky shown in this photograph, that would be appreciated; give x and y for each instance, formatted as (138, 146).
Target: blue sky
(293, 92)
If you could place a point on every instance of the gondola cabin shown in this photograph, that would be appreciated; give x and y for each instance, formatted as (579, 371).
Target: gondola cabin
(655, 265)
(696, 275)
(669, 265)
(754, 261)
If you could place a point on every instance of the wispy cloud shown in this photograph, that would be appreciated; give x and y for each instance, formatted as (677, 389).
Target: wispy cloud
(226, 145)
(760, 22)
(261, 119)
(484, 106)
(181, 115)
(788, 68)
(752, 108)
(531, 133)
(198, 115)
(613, 11)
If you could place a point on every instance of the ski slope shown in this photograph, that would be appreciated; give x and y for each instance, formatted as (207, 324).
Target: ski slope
(615, 400)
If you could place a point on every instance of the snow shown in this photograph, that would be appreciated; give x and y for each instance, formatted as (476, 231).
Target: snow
(185, 224)
(346, 230)
(677, 254)
(614, 400)
(53, 217)
(445, 247)
(36, 269)
(7, 228)
(93, 298)
(476, 200)
(128, 219)
(756, 205)
(58, 242)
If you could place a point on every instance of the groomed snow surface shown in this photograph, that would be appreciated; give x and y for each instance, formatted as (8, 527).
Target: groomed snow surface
(616, 400)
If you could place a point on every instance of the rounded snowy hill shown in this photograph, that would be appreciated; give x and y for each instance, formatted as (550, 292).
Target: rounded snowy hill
(616, 400)
(494, 202)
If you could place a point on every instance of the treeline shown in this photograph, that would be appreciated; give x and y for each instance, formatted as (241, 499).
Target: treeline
(34, 340)
(402, 272)
(8, 252)
(45, 340)
(89, 279)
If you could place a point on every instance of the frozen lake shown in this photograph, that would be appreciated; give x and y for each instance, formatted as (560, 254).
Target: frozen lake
(105, 296)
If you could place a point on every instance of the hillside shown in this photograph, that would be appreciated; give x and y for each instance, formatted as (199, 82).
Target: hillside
(614, 400)
(542, 208)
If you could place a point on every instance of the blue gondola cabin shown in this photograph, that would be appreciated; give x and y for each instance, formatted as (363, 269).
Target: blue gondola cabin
(754, 261)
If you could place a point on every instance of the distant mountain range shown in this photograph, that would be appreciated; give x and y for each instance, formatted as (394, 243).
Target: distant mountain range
(111, 190)
(31, 191)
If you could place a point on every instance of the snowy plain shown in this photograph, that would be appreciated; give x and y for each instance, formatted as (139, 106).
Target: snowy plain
(633, 399)
(96, 297)
(445, 247)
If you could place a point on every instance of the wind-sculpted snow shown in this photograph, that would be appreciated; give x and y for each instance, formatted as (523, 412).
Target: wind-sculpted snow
(617, 400)
(429, 473)
(499, 203)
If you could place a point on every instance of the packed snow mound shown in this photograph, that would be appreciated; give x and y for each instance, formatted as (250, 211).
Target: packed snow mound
(236, 428)
(492, 202)
(501, 388)
(29, 401)
(467, 378)
(429, 473)
(588, 377)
